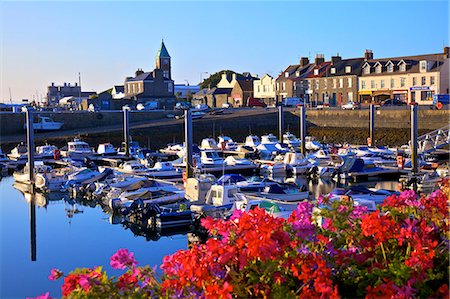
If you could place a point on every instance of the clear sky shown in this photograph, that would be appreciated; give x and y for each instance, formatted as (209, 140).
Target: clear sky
(44, 42)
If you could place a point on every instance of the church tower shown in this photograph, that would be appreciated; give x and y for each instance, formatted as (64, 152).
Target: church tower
(163, 61)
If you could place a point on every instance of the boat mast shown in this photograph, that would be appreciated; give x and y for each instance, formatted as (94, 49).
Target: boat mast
(10, 97)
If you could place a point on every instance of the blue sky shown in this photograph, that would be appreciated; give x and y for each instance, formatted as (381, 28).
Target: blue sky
(44, 42)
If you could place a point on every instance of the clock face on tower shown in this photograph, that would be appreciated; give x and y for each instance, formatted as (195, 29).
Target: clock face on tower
(165, 61)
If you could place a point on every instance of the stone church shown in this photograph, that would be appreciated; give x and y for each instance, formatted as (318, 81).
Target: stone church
(156, 86)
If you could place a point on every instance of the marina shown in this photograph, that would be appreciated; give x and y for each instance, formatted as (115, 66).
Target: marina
(153, 200)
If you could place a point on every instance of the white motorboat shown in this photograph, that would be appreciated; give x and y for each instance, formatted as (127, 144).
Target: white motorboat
(210, 158)
(18, 153)
(254, 184)
(297, 163)
(270, 146)
(45, 124)
(284, 192)
(273, 207)
(291, 140)
(106, 149)
(226, 143)
(77, 150)
(134, 149)
(23, 176)
(209, 144)
(252, 141)
(231, 160)
(133, 167)
(46, 151)
(164, 170)
(312, 144)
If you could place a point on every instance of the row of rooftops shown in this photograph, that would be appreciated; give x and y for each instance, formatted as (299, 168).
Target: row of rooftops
(362, 66)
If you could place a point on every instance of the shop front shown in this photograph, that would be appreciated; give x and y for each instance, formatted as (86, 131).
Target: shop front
(365, 96)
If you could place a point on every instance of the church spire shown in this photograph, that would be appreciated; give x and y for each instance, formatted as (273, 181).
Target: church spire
(162, 53)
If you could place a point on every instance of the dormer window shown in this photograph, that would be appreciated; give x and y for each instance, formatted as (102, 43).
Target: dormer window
(286, 74)
(348, 69)
(367, 70)
(316, 72)
(390, 68)
(378, 69)
(423, 66)
(297, 74)
(403, 67)
(333, 70)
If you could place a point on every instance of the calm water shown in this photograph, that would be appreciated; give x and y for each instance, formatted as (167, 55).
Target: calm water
(67, 241)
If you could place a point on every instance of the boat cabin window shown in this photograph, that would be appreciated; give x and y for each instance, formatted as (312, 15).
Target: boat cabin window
(232, 192)
(272, 139)
(216, 193)
(211, 155)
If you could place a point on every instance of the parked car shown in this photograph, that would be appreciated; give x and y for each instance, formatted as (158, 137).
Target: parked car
(292, 102)
(350, 106)
(393, 102)
(182, 106)
(226, 105)
(322, 106)
(147, 106)
(252, 102)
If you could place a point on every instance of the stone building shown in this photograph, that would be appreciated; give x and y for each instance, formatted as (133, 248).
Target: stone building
(412, 79)
(335, 82)
(56, 92)
(156, 85)
(292, 81)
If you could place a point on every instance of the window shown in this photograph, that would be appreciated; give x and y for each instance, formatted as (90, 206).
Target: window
(170, 87)
(413, 96)
(423, 66)
(349, 82)
(402, 82)
(372, 84)
(317, 83)
(414, 81)
(367, 70)
(348, 69)
(350, 96)
(132, 88)
(390, 68)
(266, 88)
(286, 74)
(382, 83)
(424, 80)
(432, 80)
(334, 83)
(378, 69)
(284, 85)
(333, 70)
(392, 83)
(258, 88)
(297, 74)
(403, 67)
(341, 83)
(295, 85)
(316, 72)
(278, 86)
(363, 84)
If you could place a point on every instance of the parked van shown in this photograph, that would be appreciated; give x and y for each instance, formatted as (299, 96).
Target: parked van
(252, 102)
(292, 102)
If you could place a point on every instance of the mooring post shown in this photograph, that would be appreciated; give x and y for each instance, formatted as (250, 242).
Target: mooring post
(280, 123)
(30, 143)
(413, 147)
(32, 228)
(303, 129)
(126, 130)
(372, 126)
(188, 142)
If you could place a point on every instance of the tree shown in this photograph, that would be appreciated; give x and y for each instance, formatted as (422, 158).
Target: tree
(212, 80)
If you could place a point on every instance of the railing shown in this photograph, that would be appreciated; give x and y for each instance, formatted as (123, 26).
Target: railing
(434, 140)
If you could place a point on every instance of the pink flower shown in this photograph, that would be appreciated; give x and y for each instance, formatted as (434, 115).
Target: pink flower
(55, 274)
(45, 296)
(84, 282)
(122, 259)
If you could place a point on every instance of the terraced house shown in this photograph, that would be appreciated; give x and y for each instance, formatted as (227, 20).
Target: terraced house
(412, 79)
(292, 81)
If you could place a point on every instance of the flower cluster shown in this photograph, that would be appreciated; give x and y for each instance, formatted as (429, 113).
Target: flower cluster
(337, 250)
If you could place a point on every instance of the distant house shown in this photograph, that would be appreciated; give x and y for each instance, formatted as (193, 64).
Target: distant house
(56, 92)
(264, 89)
(241, 88)
(213, 97)
(156, 85)
(292, 81)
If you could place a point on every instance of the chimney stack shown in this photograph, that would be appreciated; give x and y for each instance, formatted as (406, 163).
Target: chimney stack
(368, 55)
(446, 52)
(304, 61)
(320, 58)
(139, 71)
(335, 59)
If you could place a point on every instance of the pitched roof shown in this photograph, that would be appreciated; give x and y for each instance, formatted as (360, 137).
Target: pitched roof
(246, 85)
(163, 51)
(355, 64)
(141, 77)
(222, 90)
(119, 88)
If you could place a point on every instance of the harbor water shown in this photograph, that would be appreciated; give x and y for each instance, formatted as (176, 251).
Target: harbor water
(70, 235)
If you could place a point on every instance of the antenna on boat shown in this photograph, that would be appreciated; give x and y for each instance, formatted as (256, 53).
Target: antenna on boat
(10, 97)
